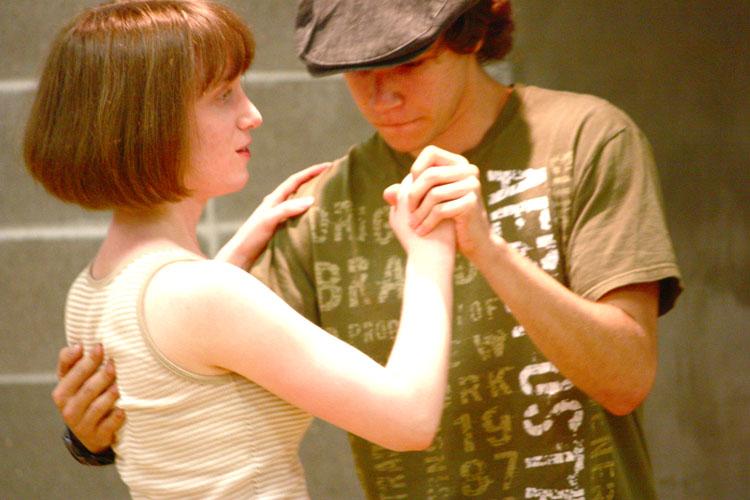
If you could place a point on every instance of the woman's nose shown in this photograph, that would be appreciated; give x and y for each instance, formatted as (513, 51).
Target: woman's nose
(251, 118)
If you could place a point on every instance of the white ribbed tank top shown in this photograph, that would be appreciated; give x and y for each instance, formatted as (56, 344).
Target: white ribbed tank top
(186, 435)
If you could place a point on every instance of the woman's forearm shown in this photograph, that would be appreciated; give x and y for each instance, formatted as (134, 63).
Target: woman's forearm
(419, 358)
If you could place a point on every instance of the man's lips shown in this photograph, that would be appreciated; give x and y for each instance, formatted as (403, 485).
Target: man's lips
(394, 124)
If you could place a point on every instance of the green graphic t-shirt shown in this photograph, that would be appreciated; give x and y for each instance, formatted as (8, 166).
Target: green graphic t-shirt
(569, 181)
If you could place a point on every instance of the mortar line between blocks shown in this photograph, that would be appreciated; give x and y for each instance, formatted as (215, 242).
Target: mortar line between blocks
(19, 85)
(38, 378)
(76, 232)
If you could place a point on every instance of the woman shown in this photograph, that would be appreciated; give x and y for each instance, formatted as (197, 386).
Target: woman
(140, 111)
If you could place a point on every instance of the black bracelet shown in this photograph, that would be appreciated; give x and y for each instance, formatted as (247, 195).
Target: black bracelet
(83, 455)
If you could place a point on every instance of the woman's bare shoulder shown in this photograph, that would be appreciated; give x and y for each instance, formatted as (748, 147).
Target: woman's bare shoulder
(204, 280)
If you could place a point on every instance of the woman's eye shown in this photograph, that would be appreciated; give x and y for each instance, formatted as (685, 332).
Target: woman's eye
(224, 96)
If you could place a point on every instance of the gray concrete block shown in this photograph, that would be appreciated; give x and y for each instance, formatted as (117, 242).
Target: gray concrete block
(22, 200)
(272, 24)
(35, 463)
(27, 29)
(328, 463)
(304, 122)
(33, 458)
(35, 277)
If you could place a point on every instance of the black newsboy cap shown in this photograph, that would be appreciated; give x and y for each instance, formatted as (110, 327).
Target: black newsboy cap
(345, 35)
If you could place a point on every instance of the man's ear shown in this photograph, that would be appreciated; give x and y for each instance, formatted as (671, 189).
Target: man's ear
(498, 5)
(478, 46)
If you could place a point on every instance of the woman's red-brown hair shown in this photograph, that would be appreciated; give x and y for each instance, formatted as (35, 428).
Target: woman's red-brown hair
(110, 124)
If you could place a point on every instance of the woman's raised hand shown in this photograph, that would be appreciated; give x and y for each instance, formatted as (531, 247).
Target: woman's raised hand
(252, 237)
(398, 196)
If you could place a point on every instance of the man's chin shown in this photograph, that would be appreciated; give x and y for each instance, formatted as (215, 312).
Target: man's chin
(401, 144)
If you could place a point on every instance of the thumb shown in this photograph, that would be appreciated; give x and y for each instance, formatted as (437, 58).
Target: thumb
(390, 194)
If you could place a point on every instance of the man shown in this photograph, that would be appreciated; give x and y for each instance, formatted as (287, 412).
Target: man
(566, 261)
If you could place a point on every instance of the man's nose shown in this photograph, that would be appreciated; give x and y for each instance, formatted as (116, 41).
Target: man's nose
(385, 93)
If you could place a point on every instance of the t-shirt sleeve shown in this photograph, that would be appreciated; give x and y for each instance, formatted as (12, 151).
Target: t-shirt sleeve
(286, 265)
(618, 234)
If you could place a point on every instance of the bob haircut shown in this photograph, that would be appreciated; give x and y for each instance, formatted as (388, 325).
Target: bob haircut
(111, 122)
(488, 23)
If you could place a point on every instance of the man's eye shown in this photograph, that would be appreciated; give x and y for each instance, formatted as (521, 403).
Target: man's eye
(408, 66)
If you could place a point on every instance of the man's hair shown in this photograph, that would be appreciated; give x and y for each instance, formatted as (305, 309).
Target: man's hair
(111, 122)
(488, 23)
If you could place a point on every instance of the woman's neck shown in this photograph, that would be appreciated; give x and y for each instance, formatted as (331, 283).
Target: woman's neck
(134, 232)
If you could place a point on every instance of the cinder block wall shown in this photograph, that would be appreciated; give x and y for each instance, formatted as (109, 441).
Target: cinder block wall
(680, 69)
(44, 243)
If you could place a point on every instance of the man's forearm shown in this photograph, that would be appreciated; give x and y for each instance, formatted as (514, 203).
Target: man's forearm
(606, 348)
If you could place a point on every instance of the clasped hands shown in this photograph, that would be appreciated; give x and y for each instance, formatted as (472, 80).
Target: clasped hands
(444, 186)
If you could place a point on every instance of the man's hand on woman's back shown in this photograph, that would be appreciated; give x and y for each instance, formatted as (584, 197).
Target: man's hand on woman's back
(86, 394)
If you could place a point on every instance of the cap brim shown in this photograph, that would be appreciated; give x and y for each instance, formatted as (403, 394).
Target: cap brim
(335, 36)
(325, 70)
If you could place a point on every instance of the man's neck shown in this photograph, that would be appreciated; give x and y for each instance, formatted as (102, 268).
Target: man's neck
(484, 101)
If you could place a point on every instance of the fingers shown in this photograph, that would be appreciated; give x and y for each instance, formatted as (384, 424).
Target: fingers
(290, 185)
(445, 211)
(109, 426)
(72, 377)
(437, 176)
(404, 191)
(253, 236)
(432, 156)
(437, 202)
(86, 396)
(67, 357)
(398, 216)
(287, 209)
(76, 403)
(97, 426)
(390, 194)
